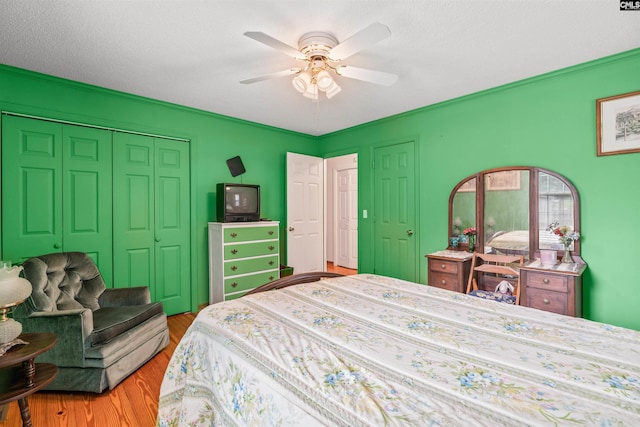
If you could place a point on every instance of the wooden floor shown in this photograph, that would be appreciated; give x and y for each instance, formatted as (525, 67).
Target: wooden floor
(133, 403)
(337, 269)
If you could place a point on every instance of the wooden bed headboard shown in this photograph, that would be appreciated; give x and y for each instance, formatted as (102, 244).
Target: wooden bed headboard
(295, 279)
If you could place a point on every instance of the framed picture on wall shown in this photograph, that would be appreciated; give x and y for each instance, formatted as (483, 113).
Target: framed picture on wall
(618, 124)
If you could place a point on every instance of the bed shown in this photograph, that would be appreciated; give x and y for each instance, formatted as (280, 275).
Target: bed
(517, 242)
(368, 350)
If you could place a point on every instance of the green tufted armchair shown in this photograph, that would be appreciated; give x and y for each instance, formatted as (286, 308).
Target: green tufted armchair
(103, 334)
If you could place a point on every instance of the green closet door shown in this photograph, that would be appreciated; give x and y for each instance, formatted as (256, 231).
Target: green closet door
(86, 207)
(31, 188)
(133, 216)
(173, 282)
(151, 218)
(56, 190)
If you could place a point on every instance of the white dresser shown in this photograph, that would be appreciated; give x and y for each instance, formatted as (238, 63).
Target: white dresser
(242, 256)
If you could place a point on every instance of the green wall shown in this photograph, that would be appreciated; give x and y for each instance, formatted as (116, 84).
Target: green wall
(214, 138)
(548, 121)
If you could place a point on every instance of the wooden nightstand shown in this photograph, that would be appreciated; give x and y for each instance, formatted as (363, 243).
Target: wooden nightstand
(20, 376)
(449, 269)
(556, 288)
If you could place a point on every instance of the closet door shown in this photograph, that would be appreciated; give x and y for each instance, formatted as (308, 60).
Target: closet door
(87, 196)
(151, 218)
(31, 188)
(56, 194)
(133, 216)
(172, 217)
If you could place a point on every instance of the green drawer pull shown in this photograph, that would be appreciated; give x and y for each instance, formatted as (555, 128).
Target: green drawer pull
(271, 247)
(234, 251)
(271, 262)
(234, 234)
(271, 277)
(234, 284)
(234, 268)
(270, 232)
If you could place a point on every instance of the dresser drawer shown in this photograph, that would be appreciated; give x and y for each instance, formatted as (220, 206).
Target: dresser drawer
(246, 234)
(443, 280)
(246, 250)
(440, 266)
(552, 282)
(555, 302)
(245, 283)
(233, 267)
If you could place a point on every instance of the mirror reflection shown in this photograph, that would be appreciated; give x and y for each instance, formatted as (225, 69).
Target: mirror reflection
(506, 212)
(555, 204)
(512, 209)
(464, 212)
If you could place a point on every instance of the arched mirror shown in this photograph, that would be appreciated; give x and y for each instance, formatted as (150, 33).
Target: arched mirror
(511, 209)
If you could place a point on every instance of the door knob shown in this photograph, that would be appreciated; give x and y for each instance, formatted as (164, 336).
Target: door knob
(409, 232)
(57, 245)
(291, 228)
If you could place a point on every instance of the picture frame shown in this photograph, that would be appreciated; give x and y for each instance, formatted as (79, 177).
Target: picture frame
(618, 124)
(503, 180)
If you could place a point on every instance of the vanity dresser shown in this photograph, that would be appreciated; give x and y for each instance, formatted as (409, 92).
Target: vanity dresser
(511, 209)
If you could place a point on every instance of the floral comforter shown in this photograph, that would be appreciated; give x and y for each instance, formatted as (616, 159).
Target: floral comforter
(368, 350)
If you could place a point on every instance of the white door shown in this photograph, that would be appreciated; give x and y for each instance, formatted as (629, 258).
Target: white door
(347, 218)
(305, 213)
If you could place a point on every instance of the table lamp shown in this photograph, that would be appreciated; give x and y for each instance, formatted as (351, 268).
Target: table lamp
(13, 290)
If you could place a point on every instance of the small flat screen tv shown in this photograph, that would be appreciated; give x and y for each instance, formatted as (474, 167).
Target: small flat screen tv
(238, 202)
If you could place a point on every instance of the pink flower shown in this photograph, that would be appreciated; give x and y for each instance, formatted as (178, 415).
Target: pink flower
(471, 231)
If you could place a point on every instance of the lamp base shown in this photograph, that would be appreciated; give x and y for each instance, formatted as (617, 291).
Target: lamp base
(9, 330)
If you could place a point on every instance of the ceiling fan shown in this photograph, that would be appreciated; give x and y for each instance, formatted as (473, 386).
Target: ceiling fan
(323, 55)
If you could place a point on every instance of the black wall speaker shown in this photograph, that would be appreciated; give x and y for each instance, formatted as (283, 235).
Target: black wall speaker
(235, 166)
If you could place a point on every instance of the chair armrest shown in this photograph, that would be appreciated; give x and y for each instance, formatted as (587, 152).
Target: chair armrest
(72, 327)
(119, 297)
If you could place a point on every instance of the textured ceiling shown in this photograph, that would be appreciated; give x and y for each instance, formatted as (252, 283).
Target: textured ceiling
(193, 53)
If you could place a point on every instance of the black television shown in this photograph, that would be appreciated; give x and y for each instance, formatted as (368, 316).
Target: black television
(237, 202)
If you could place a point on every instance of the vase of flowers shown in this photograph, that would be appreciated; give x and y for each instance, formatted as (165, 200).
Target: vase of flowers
(471, 237)
(566, 236)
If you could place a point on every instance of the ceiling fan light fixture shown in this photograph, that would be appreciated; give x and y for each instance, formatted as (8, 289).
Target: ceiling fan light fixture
(333, 90)
(311, 92)
(324, 81)
(301, 82)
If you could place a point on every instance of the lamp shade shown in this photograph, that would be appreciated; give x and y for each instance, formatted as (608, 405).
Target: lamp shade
(13, 289)
(301, 82)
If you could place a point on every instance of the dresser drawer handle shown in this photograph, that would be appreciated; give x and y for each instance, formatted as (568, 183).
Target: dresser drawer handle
(270, 232)
(234, 251)
(234, 235)
(271, 277)
(546, 301)
(234, 268)
(444, 282)
(234, 284)
(271, 262)
(545, 281)
(271, 247)
(443, 266)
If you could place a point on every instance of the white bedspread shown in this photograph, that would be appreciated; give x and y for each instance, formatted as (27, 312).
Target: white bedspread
(367, 350)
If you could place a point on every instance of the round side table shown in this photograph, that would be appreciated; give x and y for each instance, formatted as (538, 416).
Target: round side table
(20, 376)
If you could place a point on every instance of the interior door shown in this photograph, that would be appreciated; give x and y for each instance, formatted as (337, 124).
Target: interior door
(395, 246)
(31, 188)
(305, 213)
(347, 218)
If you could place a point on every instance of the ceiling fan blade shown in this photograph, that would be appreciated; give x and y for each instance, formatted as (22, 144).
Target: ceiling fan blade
(360, 40)
(275, 44)
(371, 76)
(275, 75)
